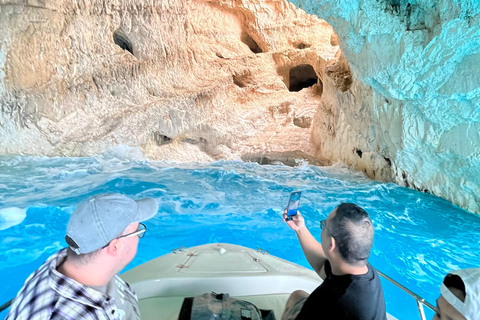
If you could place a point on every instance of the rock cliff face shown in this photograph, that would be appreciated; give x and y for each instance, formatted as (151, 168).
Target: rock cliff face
(261, 80)
(184, 80)
(416, 105)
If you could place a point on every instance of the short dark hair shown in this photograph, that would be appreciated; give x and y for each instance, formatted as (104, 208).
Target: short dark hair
(353, 233)
(82, 259)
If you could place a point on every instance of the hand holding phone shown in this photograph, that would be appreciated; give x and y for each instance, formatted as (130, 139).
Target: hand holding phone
(293, 204)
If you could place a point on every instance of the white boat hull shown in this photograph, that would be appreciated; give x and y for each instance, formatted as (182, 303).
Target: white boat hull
(253, 275)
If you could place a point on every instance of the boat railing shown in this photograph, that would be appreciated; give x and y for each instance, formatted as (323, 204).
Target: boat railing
(420, 301)
(5, 305)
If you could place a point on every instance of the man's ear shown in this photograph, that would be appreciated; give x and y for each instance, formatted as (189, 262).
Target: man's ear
(332, 245)
(113, 247)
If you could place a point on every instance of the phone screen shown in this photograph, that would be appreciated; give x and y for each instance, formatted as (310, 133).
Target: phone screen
(293, 203)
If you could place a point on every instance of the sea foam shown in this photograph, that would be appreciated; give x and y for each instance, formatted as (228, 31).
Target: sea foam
(10, 217)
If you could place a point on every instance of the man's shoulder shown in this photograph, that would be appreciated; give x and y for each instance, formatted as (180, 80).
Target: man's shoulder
(36, 288)
(56, 307)
(373, 274)
(45, 302)
(47, 294)
(34, 301)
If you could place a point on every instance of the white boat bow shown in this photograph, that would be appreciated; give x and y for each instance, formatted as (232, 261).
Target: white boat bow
(252, 275)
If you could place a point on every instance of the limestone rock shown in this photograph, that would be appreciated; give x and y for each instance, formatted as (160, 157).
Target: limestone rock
(214, 78)
(253, 79)
(415, 104)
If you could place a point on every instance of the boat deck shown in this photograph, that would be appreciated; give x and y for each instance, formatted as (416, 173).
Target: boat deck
(168, 308)
(253, 275)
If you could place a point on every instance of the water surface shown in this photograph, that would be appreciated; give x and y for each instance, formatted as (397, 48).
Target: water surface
(418, 237)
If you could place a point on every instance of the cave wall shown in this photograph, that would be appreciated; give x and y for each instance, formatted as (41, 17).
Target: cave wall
(415, 100)
(396, 96)
(182, 80)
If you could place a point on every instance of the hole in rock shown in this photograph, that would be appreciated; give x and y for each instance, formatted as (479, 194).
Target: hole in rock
(303, 122)
(359, 152)
(239, 81)
(395, 6)
(405, 180)
(242, 79)
(302, 76)
(161, 139)
(301, 45)
(248, 40)
(122, 41)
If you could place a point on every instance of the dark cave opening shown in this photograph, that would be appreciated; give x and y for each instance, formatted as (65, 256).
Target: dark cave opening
(252, 44)
(122, 41)
(302, 76)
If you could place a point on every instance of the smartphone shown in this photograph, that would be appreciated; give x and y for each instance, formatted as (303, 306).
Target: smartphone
(293, 204)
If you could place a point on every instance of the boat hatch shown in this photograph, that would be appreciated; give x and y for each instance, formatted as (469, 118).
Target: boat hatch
(211, 262)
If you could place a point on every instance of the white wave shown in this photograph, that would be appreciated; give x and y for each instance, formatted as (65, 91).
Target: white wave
(21, 256)
(10, 217)
(346, 172)
(301, 164)
(124, 152)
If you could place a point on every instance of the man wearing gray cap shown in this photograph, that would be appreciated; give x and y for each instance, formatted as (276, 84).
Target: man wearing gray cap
(81, 281)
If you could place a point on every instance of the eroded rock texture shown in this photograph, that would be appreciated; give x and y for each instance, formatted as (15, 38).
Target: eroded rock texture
(259, 80)
(184, 80)
(416, 105)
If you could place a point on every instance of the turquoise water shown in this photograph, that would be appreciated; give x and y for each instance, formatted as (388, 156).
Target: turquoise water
(418, 238)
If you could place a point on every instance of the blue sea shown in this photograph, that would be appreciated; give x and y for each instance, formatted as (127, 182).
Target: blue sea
(418, 237)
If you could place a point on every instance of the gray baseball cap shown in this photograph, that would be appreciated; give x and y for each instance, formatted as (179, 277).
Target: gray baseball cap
(102, 218)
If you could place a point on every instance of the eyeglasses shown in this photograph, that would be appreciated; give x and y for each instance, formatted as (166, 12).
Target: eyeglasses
(140, 232)
(323, 224)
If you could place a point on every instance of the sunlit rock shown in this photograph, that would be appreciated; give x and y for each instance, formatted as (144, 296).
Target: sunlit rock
(257, 80)
(185, 81)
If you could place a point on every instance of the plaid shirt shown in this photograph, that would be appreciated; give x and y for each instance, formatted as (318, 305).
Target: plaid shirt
(48, 294)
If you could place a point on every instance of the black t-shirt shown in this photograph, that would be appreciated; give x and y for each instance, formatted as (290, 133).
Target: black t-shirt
(358, 297)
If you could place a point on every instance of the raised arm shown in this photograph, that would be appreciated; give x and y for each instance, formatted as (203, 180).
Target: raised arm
(312, 249)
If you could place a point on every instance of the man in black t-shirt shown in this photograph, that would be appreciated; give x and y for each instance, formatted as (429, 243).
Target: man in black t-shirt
(351, 288)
